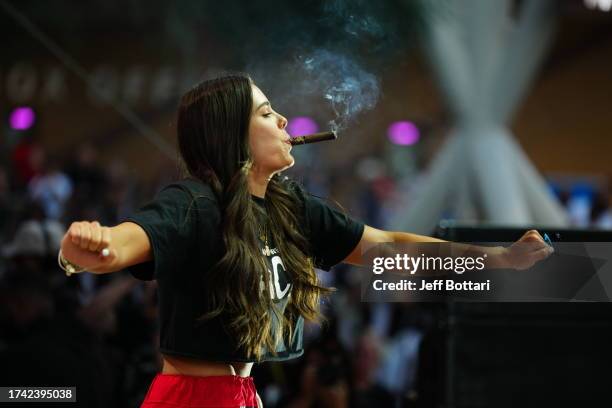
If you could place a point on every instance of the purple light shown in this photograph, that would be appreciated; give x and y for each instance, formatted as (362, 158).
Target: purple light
(22, 118)
(403, 133)
(302, 125)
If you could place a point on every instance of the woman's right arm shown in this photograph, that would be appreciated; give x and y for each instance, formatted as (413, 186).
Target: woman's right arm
(127, 242)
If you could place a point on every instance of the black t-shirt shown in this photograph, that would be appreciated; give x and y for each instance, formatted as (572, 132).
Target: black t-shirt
(183, 226)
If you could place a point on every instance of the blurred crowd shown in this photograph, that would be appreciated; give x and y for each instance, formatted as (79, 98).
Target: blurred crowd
(99, 332)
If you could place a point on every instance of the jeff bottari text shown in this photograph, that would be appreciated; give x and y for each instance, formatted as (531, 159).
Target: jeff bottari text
(433, 286)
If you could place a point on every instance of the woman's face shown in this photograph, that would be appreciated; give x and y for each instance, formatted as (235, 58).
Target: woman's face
(268, 140)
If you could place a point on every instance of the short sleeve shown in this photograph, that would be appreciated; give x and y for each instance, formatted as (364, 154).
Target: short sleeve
(168, 221)
(332, 234)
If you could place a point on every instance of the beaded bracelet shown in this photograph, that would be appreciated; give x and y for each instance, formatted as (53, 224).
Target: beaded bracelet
(68, 266)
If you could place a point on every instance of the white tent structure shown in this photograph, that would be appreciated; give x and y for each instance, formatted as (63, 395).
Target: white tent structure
(485, 57)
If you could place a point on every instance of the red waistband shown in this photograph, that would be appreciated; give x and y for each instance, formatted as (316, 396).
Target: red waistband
(227, 391)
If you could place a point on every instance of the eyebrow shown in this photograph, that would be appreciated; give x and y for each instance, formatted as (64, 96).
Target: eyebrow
(262, 104)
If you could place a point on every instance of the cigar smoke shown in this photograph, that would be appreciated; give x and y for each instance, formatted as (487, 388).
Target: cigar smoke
(321, 83)
(348, 87)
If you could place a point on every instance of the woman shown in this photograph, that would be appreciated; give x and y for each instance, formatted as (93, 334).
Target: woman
(233, 248)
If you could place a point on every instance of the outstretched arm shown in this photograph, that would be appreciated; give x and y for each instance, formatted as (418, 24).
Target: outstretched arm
(127, 243)
(522, 254)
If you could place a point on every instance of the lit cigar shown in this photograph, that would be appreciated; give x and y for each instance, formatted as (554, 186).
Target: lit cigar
(314, 138)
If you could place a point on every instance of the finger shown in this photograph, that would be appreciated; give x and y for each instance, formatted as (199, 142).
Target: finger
(85, 235)
(106, 238)
(96, 236)
(534, 239)
(535, 244)
(538, 246)
(75, 233)
(528, 245)
(531, 240)
(534, 232)
(541, 254)
(533, 235)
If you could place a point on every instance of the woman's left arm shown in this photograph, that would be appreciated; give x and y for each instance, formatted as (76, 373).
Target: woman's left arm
(522, 254)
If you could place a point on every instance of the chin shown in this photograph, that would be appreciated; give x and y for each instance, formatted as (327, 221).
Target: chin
(291, 162)
(288, 164)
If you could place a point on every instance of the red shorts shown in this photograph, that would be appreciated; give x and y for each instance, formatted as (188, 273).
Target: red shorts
(177, 391)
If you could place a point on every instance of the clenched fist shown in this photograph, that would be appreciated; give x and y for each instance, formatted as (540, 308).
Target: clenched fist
(528, 250)
(88, 245)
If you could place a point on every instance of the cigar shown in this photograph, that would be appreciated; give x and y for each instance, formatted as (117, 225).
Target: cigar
(314, 138)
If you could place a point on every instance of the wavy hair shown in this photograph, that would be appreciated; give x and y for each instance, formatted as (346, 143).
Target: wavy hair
(212, 128)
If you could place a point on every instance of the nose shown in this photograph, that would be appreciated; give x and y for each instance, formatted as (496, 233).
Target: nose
(282, 121)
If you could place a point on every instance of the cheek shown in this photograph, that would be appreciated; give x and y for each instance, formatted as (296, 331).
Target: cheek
(259, 143)
(257, 149)
(254, 138)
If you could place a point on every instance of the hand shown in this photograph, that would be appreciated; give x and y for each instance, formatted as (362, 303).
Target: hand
(528, 250)
(83, 244)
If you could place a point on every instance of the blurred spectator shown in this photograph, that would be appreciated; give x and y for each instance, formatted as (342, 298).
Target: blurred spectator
(51, 187)
(399, 362)
(35, 238)
(87, 177)
(605, 220)
(367, 391)
(27, 159)
(601, 213)
(8, 204)
(325, 376)
(579, 205)
(118, 200)
(34, 247)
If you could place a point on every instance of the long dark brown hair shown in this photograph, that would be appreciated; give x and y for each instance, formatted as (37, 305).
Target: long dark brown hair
(212, 126)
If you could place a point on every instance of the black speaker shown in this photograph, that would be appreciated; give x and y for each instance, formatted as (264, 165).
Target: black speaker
(518, 354)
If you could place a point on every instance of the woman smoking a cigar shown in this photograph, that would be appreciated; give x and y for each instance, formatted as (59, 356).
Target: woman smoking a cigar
(233, 248)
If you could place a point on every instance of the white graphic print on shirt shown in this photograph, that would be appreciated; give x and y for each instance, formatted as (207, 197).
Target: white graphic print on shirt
(279, 284)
